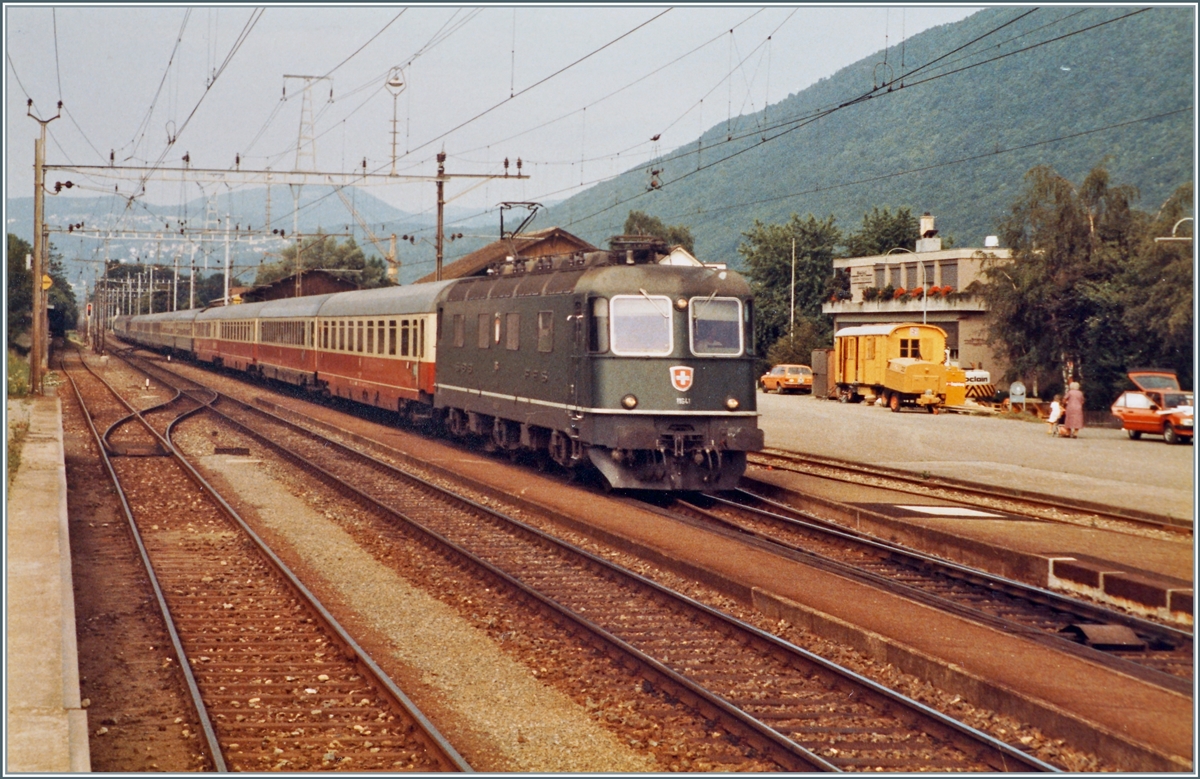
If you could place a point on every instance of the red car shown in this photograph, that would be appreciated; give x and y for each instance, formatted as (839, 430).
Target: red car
(1158, 407)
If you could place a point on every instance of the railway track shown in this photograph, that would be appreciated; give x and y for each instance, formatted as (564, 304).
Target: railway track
(1010, 500)
(1155, 653)
(275, 682)
(771, 699)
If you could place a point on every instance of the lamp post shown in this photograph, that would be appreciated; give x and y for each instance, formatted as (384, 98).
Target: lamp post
(395, 85)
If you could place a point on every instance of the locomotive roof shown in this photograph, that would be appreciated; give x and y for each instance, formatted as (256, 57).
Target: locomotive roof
(410, 299)
(884, 329)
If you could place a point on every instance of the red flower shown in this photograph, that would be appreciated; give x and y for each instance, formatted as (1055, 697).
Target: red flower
(899, 293)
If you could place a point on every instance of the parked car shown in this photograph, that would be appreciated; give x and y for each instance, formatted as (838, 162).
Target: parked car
(787, 378)
(1158, 407)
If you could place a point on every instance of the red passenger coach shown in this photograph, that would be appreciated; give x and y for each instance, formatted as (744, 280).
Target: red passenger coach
(378, 346)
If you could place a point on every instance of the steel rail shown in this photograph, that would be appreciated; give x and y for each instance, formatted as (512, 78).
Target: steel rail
(770, 737)
(433, 739)
(206, 725)
(1134, 516)
(927, 564)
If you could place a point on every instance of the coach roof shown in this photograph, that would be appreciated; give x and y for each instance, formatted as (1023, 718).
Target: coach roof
(291, 308)
(411, 299)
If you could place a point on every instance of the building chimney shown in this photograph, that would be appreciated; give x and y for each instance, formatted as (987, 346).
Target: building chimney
(928, 242)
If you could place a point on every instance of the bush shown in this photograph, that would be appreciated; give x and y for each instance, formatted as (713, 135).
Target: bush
(18, 376)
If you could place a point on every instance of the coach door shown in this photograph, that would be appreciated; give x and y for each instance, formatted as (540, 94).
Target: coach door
(850, 360)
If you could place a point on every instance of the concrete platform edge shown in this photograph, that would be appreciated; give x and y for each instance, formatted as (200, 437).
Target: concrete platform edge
(1153, 598)
(1049, 718)
(47, 729)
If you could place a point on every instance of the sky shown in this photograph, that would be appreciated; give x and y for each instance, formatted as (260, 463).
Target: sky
(578, 93)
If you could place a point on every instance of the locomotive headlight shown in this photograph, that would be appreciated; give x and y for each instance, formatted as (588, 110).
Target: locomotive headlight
(629, 401)
(681, 304)
(732, 404)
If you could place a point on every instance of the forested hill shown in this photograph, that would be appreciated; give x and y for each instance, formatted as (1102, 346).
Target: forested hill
(1067, 87)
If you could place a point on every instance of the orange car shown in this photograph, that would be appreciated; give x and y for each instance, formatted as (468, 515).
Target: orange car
(787, 378)
(1158, 407)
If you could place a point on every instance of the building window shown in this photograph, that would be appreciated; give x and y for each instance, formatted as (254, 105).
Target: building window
(881, 276)
(950, 273)
(910, 275)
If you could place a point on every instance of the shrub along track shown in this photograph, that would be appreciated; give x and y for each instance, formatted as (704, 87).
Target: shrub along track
(275, 682)
(767, 698)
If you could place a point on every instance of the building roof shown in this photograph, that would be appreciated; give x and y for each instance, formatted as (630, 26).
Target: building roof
(540, 243)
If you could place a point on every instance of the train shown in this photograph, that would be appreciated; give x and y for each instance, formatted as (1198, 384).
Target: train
(901, 364)
(637, 361)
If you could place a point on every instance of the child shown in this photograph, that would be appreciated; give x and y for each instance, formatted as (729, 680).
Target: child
(1056, 413)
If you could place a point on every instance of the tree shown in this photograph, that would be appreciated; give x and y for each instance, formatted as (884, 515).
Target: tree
(882, 231)
(1074, 303)
(641, 223)
(325, 253)
(767, 251)
(63, 314)
(1158, 291)
(19, 289)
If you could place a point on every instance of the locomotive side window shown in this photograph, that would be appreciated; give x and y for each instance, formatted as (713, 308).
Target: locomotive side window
(513, 335)
(460, 335)
(545, 331)
(485, 328)
(641, 325)
(716, 326)
(598, 326)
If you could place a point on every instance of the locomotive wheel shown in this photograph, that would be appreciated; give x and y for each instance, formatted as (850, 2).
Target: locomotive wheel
(893, 401)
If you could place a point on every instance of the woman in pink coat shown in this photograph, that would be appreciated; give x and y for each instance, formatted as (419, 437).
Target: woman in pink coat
(1074, 417)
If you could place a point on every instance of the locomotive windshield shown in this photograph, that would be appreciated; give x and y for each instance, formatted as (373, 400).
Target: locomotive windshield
(641, 325)
(716, 326)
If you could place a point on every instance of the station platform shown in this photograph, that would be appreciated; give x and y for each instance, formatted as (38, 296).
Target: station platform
(46, 725)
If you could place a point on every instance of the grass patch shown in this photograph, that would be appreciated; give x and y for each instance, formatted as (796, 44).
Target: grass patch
(18, 376)
(16, 437)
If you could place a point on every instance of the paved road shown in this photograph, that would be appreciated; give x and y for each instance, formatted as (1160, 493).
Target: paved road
(1101, 465)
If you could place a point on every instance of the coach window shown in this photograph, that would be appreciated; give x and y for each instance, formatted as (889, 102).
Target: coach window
(485, 331)
(421, 340)
(405, 338)
(641, 324)
(392, 337)
(512, 340)
(598, 326)
(545, 331)
(359, 339)
(370, 336)
(380, 337)
(716, 326)
(460, 330)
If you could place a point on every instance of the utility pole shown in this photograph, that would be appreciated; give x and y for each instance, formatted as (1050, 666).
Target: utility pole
(228, 267)
(175, 286)
(792, 317)
(441, 205)
(192, 278)
(39, 205)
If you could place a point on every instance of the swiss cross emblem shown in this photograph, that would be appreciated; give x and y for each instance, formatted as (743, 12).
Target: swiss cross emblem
(681, 377)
